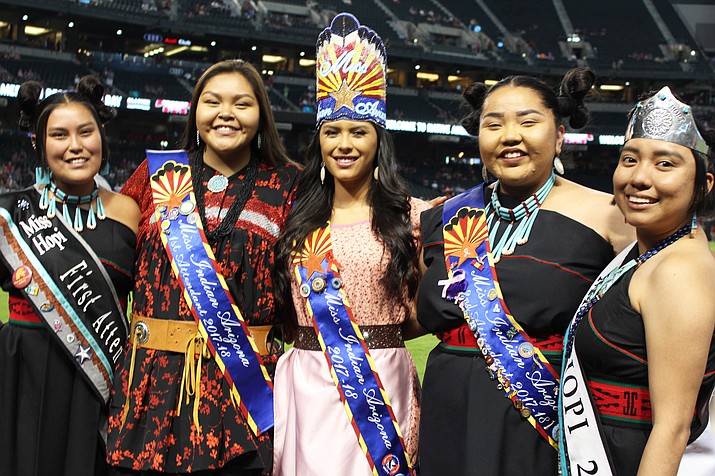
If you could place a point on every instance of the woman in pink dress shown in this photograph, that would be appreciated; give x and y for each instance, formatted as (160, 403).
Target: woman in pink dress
(348, 271)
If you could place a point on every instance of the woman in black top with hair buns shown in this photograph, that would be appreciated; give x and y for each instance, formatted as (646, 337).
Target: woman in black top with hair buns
(548, 239)
(67, 250)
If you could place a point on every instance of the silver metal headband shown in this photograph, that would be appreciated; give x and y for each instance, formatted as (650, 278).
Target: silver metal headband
(663, 117)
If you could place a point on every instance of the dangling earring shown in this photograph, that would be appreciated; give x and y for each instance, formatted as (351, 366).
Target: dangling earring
(42, 176)
(34, 144)
(375, 173)
(258, 141)
(198, 139)
(104, 169)
(558, 165)
(485, 174)
(694, 225)
(322, 173)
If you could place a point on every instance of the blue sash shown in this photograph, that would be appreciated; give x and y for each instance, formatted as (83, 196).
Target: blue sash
(67, 286)
(218, 318)
(523, 373)
(351, 366)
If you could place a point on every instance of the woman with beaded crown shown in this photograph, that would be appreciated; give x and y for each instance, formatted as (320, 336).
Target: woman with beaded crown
(646, 329)
(211, 213)
(347, 270)
(505, 267)
(67, 258)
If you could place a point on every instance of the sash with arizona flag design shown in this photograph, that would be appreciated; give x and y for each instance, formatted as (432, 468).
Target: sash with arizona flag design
(351, 366)
(66, 284)
(192, 260)
(512, 359)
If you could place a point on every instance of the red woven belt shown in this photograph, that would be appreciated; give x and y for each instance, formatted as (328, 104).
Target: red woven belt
(20, 312)
(619, 402)
(463, 338)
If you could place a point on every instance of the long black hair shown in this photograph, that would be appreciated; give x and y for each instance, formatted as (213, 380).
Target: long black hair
(389, 200)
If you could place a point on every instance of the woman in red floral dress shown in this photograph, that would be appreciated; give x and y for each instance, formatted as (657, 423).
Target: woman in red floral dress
(243, 180)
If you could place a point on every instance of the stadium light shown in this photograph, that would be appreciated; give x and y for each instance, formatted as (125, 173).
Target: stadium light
(175, 51)
(213, 43)
(305, 62)
(273, 59)
(70, 24)
(428, 76)
(417, 67)
(119, 32)
(611, 87)
(35, 30)
(25, 18)
(254, 48)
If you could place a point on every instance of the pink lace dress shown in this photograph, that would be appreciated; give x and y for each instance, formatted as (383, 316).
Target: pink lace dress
(312, 434)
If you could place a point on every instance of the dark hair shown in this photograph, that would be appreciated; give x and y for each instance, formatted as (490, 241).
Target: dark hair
(577, 82)
(389, 199)
(272, 151)
(35, 113)
(704, 201)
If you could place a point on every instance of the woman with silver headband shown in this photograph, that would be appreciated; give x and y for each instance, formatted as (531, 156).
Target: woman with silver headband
(640, 351)
(506, 265)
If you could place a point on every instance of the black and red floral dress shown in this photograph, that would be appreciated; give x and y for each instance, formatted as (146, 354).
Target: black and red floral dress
(153, 437)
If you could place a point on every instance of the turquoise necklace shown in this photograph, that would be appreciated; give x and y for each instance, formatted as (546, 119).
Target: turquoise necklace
(93, 199)
(521, 219)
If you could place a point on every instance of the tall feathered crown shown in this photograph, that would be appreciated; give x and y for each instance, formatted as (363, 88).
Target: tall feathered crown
(663, 117)
(351, 73)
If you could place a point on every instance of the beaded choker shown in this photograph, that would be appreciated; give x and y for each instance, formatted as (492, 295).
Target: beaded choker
(521, 219)
(50, 204)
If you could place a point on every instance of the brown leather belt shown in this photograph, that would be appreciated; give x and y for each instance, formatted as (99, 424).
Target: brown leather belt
(173, 336)
(376, 337)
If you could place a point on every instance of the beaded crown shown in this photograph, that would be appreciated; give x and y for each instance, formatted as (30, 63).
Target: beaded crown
(663, 117)
(351, 73)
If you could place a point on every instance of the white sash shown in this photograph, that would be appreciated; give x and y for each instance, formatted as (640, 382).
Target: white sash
(581, 444)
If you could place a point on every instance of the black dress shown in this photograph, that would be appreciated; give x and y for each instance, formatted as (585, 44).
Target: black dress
(50, 418)
(468, 426)
(154, 437)
(611, 348)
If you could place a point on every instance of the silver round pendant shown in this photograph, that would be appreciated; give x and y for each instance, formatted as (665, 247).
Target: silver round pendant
(217, 183)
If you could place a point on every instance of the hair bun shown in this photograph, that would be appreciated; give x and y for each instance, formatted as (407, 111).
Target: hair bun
(566, 105)
(29, 98)
(475, 94)
(90, 87)
(576, 84)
